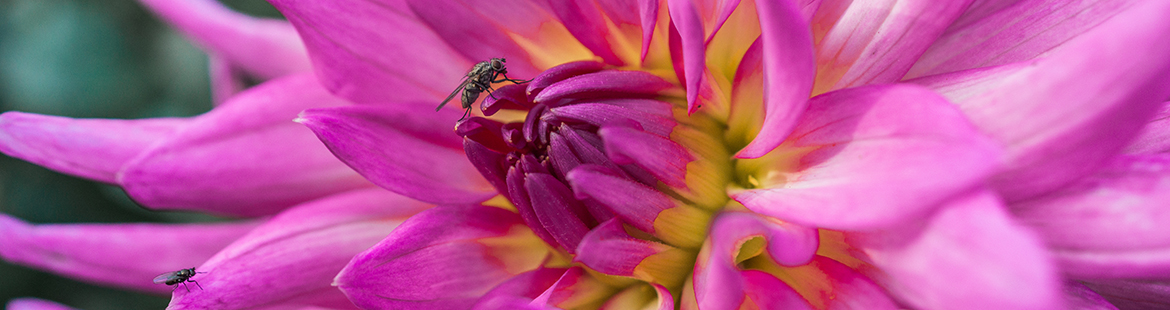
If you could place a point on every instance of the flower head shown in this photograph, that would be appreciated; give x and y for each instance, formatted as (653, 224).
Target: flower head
(675, 154)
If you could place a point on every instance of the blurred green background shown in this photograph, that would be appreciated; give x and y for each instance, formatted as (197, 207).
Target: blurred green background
(93, 59)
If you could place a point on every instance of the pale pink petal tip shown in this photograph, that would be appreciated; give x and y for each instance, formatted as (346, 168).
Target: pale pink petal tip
(89, 148)
(29, 303)
(272, 47)
(408, 149)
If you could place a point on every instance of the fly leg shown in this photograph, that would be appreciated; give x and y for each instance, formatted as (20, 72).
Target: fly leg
(197, 284)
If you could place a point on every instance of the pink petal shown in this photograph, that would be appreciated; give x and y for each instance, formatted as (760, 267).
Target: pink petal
(264, 47)
(293, 257)
(1064, 115)
(608, 249)
(358, 50)
(89, 148)
(717, 281)
(767, 292)
(883, 155)
(443, 258)
(34, 304)
(522, 287)
(1155, 136)
(636, 204)
(968, 256)
(1133, 294)
(473, 35)
(244, 158)
(609, 82)
(660, 156)
(226, 79)
(1113, 264)
(648, 10)
(583, 19)
(122, 255)
(1120, 207)
(789, 69)
(685, 18)
(1079, 297)
(408, 149)
(997, 33)
(876, 43)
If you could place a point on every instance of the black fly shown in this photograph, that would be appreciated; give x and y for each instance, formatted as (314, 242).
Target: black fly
(478, 80)
(176, 277)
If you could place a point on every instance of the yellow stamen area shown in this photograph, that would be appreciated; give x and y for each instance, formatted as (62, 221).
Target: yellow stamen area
(552, 45)
(682, 226)
(663, 267)
(636, 297)
(519, 250)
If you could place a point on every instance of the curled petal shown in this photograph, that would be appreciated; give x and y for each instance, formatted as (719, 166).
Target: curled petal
(358, 58)
(643, 297)
(1059, 124)
(295, 255)
(717, 282)
(959, 259)
(663, 158)
(609, 82)
(130, 254)
(789, 70)
(600, 114)
(442, 258)
(244, 158)
(407, 149)
(878, 155)
(34, 304)
(608, 249)
(273, 48)
(560, 73)
(89, 148)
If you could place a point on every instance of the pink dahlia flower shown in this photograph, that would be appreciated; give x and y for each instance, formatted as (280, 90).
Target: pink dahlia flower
(664, 155)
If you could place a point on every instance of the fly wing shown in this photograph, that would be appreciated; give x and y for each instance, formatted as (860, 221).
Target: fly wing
(163, 278)
(456, 91)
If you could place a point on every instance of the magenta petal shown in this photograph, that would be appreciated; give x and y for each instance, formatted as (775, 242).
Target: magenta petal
(471, 34)
(1058, 122)
(34, 304)
(1155, 136)
(609, 250)
(1122, 206)
(1079, 297)
(360, 53)
(122, 255)
(994, 33)
(582, 19)
(88, 148)
(718, 282)
(1102, 264)
(648, 12)
(789, 71)
(884, 154)
(434, 260)
(609, 82)
(294, 256)
(272, 47)
(226, 79)
(1133, 294)
(685, 18)
(767, 292)
(853, 290)
(560, 73)
(636, 204)
(556, 208)
(663, 158)
(408, 149)
(601, 115)
(878, 43)
(960, 258)
(244, 158)
(524, 286)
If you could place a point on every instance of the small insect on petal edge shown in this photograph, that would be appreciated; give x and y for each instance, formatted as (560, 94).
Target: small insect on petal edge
(179, 276)
(478, 80)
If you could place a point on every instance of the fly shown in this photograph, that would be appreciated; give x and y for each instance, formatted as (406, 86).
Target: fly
(478, 80)
(176, 277)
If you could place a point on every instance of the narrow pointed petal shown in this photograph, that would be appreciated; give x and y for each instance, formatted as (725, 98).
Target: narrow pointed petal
(1155, 136)
(1133, 294)
(1122, 206)
(1079, 297)
(789, 69)
(357, 51)
(407, 149)
(685, 18)
(959, 258)
(471, 34)
(648, 10)
(273, 48)
(663, 158)
(877, 43)
(244, 158)
(34, 304)
(897, 160)
(1059, 124)
(1000, 34)
(443, 258)
(296, 254)
(130, 255)
(90, 148)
